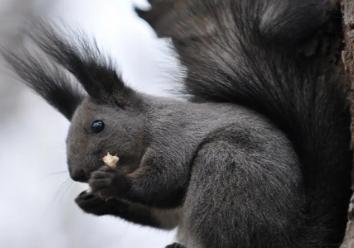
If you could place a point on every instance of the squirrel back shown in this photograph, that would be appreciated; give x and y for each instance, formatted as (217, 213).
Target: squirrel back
(279, 59)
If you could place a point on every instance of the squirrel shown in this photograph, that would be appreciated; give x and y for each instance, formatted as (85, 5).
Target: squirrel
(259, 155)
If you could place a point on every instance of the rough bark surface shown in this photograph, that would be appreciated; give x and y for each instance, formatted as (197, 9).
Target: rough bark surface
(348, 60)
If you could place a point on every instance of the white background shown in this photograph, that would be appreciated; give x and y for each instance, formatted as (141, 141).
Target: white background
(36, 195)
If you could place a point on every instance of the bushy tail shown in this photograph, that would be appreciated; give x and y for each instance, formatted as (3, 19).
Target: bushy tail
(275, 57)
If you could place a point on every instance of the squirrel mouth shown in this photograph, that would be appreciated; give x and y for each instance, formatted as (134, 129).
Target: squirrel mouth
(126, 165)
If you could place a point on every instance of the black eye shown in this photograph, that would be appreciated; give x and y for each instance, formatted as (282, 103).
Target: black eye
(97, 126)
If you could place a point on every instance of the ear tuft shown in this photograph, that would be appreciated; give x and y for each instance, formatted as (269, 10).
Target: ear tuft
(143, 14)
(158, 16)
(48, 81)
(82, 58)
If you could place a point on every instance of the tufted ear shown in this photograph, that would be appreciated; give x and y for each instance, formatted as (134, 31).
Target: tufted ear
(48, 81)
(83, 59)
(181, 20)
(161, 16)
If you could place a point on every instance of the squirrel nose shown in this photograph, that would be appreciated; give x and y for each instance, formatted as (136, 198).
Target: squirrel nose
(79, 175)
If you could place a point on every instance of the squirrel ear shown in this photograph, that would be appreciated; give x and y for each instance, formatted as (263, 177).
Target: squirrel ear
(47, 80)
(158, 16)
(181, 20)
(84, 60)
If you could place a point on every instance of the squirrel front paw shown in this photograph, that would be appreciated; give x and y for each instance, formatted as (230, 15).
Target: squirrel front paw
(109, 183)
(92, 204)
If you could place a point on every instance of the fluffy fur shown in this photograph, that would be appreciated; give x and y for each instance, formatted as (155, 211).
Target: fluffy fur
(259, 158)
(48, 81)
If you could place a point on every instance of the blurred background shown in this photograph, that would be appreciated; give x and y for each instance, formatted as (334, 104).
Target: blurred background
(37, 196)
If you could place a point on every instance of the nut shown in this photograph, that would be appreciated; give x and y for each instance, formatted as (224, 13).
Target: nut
(110, 160)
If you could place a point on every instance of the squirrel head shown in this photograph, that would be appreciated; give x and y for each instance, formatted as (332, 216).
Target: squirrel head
(112, 123)
(105, 114)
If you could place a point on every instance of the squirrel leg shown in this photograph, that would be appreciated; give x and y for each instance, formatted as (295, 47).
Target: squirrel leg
(240, 193)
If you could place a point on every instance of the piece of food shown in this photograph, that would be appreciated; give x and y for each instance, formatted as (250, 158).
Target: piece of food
(110, 160)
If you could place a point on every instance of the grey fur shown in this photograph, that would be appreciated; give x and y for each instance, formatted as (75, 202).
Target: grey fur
(193, 146)
(259, 159)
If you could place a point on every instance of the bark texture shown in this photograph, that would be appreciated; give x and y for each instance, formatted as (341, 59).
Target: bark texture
(348, 61)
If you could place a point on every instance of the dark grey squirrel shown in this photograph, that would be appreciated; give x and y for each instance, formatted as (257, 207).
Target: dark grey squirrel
(258, 157)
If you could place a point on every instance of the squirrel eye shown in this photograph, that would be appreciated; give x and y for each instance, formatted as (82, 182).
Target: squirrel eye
(97, 126)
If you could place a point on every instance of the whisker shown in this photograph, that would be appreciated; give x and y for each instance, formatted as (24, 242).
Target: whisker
(58, 173)
(53, 174)
(60, 191)
(64, 192)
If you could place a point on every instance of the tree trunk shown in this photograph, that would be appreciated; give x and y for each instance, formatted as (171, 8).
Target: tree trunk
(348, 60)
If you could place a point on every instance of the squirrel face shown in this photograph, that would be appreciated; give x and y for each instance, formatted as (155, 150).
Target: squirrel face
(83, 84)
(97, 128)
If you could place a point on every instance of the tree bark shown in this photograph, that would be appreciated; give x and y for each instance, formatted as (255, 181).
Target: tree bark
(348, 61)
